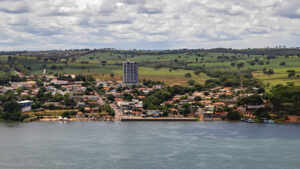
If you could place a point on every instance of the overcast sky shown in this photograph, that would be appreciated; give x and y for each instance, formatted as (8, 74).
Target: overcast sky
(148, 24)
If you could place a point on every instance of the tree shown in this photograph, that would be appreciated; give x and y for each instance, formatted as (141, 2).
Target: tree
(127, 97)
(188, 75)
(66, 114)
(251, 100)
(103, 62)
(262, 113)
(198, 87)
(285, 99)
(11, 111)
(70, 102)
(240, 65)
(233, 115)
(197, 98)
(291, 73)
(261, 62)
(191, 82)
(111, 97)
(270, 71)
(109, 110)
(4, 78)
(282, 63)
(112, 75)
(53, 67)
(197, 72)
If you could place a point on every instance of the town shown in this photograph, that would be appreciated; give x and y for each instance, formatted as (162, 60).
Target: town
(78, 97)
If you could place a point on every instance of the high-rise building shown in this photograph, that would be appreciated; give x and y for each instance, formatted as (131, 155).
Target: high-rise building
(130, 72)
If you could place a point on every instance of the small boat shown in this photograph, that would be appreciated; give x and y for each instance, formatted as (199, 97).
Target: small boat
(250, 120)
(269, 121)
(244, 119)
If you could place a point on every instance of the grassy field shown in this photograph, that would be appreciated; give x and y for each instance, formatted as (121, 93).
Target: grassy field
(209, 60)
(163, 74)
(103, 72)
(280, 76)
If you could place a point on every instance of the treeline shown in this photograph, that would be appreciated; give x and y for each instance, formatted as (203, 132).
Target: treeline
(260, 51)
(256, 51)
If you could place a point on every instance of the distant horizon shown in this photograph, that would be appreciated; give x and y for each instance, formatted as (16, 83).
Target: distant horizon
(66, 49)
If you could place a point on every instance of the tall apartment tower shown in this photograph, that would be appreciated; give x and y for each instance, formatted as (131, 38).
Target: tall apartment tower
(130, 72)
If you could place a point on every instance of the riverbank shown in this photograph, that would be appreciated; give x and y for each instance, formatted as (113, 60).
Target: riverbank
(158, 119)
(290, 119)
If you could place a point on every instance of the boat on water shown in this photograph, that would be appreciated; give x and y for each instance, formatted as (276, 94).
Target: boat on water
(268, 121)
(250, 120)
(247, 120)
(244, 119)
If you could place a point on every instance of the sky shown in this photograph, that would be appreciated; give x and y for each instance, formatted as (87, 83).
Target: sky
(148, 24)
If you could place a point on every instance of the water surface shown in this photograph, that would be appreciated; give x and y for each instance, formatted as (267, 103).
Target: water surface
(145, 145)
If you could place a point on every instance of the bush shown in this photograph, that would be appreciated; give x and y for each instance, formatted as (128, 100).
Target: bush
(191, 82)
(233, 115)
(188, 75)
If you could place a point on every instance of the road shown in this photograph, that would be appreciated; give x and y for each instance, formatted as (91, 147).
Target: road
(118, 113)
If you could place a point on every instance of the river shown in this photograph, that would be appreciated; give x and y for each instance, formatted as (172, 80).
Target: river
(149, 145)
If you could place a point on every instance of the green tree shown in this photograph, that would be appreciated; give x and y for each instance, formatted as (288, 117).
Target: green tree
(282, 63)
(191, 82)
(111, 97)
(240, 65)
(233, 115)
(188, 75)
(197, 98)
(11, 111)
(53, 67)
(262, 113)
(197, 72)
(4, 78)
(112, 75)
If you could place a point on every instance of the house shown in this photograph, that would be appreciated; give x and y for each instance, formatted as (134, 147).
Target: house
(208, 115)
(87, 109)
(220, 114)
(210, 108)
(154, 113)
(59, 82)
(219, 104)
(125, 105)
(249, 107)
(25, 105)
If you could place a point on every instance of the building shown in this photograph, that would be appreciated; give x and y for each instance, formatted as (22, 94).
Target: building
(130, 72)
(25, 105)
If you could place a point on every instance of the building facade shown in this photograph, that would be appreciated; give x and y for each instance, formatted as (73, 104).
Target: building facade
(25, 105)
(130, 72)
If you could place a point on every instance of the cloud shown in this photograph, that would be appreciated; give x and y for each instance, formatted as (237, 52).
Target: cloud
(289, 9)
(147, 24)
(14, 7)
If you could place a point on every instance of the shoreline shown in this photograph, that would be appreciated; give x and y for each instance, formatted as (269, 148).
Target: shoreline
(148, 119)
